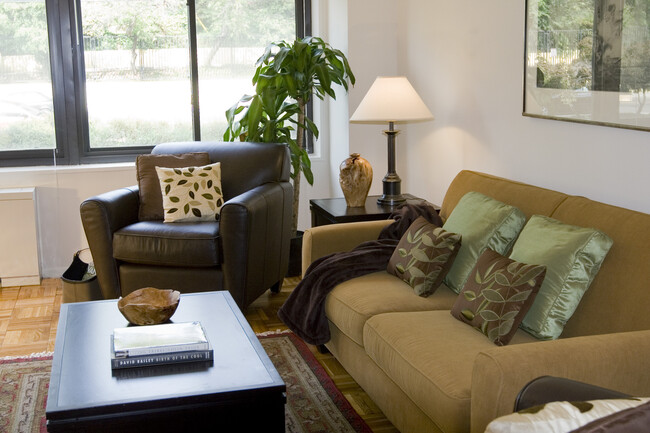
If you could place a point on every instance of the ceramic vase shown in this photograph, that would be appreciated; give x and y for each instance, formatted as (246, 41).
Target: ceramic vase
(355, 178)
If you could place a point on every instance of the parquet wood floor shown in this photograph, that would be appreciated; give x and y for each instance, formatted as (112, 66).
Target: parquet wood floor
(29, 316)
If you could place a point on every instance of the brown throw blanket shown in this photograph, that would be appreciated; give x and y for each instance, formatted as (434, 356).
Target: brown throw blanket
(304, 310)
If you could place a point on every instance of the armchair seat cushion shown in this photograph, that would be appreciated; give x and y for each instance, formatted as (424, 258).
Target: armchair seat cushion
(179, 244)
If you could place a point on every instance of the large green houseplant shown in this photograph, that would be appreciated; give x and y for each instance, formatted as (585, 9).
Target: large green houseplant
(287, 76)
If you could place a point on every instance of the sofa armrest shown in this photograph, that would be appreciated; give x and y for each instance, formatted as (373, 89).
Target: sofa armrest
(546, 389)
(101, 217)
(615, 361)
(333, 238)
(251, 225)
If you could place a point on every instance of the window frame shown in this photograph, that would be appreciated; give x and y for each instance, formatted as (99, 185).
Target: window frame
(68, 77)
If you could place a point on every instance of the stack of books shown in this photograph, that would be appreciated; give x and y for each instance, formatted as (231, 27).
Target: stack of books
(171, 343)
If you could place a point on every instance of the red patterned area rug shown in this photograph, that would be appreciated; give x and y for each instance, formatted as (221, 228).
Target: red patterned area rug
(314, 404)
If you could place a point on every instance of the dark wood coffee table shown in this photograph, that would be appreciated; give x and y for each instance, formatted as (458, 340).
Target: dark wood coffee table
(240, 391)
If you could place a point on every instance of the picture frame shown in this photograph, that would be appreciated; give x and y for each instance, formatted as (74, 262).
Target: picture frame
(588, 61)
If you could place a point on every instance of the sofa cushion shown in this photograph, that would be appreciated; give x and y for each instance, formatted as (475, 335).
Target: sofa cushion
(353, 302)
(423, 256)
(150, 208)
(483, 223)
(572, 256)
(191, 193)
(497, 295)
(156, 243)
(433, 366)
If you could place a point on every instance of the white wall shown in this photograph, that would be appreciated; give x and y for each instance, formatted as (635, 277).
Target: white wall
(59, 193)
(465, 58)
(374, 45)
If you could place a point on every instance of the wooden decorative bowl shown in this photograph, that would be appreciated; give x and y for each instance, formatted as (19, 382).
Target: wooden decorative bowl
(149, 306)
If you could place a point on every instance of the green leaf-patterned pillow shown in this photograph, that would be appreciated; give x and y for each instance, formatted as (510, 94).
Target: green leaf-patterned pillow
(191, 193)
(423, 256)
(497, 295)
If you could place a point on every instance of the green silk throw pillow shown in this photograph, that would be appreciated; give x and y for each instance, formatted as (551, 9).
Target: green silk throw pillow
(497, 295)
(423, 256)
(483, 222)
(191, 193)
(572, 256)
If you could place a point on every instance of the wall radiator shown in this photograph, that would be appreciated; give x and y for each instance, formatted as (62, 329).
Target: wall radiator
(19, 264)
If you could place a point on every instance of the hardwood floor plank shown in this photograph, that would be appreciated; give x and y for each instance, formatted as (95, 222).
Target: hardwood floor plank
(29, 317)
(9, 293)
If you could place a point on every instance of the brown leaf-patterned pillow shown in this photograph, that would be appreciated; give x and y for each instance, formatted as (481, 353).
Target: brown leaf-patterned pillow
(423, 256)
(497, 295)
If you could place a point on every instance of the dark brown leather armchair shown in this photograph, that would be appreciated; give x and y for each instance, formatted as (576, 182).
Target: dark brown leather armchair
(246, 252)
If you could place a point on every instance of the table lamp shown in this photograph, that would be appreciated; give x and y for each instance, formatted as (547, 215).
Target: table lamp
(391, 99)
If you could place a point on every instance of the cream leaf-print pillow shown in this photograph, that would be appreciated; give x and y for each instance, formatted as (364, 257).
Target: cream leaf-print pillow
(191, 193)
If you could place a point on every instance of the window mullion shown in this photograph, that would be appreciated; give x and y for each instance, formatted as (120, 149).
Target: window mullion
(194, 70)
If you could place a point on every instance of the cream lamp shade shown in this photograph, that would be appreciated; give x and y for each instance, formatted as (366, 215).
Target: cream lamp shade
(391, 99)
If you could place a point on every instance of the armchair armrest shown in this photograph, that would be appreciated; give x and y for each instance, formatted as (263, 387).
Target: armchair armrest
(546, 389)
(616, 361)
(102, 216)
(251, 225)
(333, 238)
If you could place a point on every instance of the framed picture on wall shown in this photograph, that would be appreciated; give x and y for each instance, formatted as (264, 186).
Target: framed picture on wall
(588, 61)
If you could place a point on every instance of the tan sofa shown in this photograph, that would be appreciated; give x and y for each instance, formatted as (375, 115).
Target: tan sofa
(429, 372)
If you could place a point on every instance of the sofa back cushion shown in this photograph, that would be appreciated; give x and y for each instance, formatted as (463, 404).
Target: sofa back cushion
(531, 200)
(244, 165)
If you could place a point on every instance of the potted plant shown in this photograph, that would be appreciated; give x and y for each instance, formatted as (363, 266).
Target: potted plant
(287, 76)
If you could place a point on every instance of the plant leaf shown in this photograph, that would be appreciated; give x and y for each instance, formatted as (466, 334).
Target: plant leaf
(420, 255)
(520, 297)
(492, 295)
(501, 279)
(489, 315)
(468, 314)
(426, 240)
(469, 295)
(416, 272)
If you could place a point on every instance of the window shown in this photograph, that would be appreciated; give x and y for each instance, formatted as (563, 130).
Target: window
(138, 88)
(26, 106)
(130, 74)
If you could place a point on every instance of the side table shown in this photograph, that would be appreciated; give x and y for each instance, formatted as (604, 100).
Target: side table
(335, 210)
